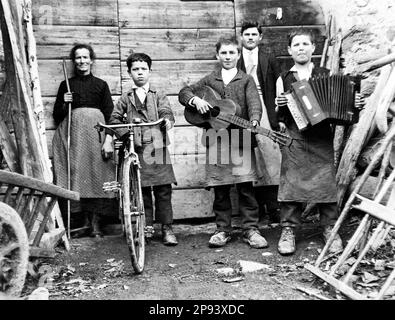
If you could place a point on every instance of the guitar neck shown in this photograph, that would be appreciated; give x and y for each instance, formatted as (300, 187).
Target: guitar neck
(243, 123)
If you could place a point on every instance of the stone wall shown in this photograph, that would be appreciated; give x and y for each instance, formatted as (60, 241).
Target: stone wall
(368, 29)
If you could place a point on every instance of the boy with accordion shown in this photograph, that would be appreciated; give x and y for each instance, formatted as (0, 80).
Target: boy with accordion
(307, 166)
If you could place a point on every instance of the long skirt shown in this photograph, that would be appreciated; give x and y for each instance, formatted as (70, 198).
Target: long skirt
(88, 171)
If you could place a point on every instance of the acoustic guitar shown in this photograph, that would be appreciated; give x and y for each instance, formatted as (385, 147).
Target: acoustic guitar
(223, 113)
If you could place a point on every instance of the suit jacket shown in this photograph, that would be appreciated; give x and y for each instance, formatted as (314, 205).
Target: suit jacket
(268, 71)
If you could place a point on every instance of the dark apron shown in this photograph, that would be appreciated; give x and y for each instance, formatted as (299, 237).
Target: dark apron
(307, 166)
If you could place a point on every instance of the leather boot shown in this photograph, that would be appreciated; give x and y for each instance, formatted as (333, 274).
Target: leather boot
(168, 236)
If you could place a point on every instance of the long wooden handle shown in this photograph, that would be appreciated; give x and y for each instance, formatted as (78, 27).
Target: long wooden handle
(68, 146)
(66, 78)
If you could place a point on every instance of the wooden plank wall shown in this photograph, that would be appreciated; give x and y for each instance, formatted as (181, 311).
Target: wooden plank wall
(179, 35)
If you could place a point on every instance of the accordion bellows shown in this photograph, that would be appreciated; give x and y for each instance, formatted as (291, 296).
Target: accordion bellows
(322, 98)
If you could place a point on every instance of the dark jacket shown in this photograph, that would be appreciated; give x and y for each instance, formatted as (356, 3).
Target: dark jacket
(268, 71)
(158, 106)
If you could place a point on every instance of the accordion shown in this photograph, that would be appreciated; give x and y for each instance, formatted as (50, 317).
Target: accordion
(322, 98)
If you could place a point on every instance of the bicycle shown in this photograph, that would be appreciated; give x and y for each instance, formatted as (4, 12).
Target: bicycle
(128, 187)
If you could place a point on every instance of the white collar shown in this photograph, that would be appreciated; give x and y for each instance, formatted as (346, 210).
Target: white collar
(229, 71)
(144, 87)
(295, 68)
(310, 69)
(253, 51)
(228, 75)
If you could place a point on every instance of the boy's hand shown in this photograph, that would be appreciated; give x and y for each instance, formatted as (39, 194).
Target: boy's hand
(167, 124)
(201, 105)
(68, 97)
(359, 101)
(107, 149)
(281, 101)
(281, 127)
(255, 123)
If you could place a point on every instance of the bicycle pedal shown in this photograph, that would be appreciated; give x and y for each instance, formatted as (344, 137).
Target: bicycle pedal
(149, 232)
(111, 186)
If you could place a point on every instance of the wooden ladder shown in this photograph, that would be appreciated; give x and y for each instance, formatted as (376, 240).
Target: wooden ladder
(374, 209)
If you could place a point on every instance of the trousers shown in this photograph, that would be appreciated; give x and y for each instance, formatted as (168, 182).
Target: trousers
(248, 207)
(291, 212)
(163, 207)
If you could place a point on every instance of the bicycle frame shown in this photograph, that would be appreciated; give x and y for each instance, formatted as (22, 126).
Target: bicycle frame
(130, 194)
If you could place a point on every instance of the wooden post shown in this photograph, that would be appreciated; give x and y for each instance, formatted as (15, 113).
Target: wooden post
(32, 146)
(346, 172)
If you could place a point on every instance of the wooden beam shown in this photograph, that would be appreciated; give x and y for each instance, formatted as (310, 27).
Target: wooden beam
(376, 210)
(55, 42)
(36, 184)
(172, 44)
(346, 171)
(344, 288)
(36, 252)
(76, 12)
(176, 14)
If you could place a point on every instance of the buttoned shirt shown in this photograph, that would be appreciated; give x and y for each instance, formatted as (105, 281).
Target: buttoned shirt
(250, 58)
(141, 91)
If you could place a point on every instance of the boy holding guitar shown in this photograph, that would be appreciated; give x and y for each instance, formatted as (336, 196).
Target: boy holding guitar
(230, 83)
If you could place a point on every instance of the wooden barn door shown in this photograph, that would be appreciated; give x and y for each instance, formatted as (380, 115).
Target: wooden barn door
(180, 36)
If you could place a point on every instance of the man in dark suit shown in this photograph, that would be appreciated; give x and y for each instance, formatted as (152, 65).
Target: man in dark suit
(265, 70)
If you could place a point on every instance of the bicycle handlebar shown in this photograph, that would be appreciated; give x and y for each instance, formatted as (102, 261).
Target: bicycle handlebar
(129, 125)
(100, 126)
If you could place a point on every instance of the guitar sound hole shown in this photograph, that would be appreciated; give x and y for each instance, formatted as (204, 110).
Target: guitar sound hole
(215, 111)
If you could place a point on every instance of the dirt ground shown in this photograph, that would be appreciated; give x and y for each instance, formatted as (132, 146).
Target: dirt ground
(100, 269)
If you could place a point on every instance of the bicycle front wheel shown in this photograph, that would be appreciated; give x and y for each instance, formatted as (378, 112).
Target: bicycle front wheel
(133, 213)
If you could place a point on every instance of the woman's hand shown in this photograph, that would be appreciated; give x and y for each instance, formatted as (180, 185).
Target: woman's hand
(107, 149)
(68, 97)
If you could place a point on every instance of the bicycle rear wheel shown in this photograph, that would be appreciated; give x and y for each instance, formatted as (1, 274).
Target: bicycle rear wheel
(133, 213)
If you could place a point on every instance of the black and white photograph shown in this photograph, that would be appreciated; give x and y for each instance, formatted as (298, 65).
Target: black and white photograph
(194, 157)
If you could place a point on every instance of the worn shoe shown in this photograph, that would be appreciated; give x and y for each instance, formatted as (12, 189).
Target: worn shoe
(254, 239)
(286, 244)
(219, 239)
(168, 236)
(337, 244)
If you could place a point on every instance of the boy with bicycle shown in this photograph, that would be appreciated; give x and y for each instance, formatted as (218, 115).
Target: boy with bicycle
(148, 104)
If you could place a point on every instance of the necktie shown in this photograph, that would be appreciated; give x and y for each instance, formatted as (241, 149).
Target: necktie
(250, 63)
